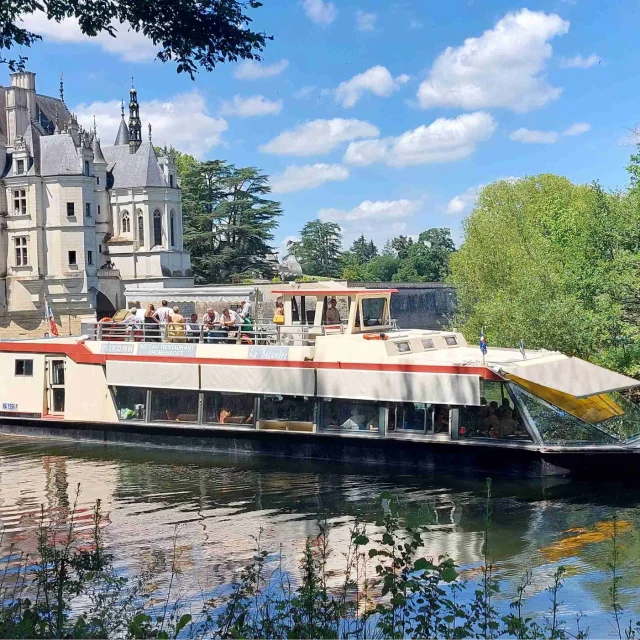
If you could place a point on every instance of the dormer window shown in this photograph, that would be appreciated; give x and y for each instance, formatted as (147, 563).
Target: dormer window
(19, 167)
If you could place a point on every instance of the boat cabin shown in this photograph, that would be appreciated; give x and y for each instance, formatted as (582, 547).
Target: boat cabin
(358, 310)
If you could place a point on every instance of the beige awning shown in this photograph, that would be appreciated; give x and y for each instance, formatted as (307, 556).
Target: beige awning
(572, 376)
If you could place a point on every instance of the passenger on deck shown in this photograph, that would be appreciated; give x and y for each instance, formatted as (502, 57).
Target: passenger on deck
(163, 314)
(176, 326)
(333, 315)
(278, 316)
(230, 320)
(140, 312)
(132, 318)
(193, 329)
(151, 328)
(246, 310)
(211, 326)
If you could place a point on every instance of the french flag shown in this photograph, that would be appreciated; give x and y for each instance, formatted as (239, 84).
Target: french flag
(48, 316)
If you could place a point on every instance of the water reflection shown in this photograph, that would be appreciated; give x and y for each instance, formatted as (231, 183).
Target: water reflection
(214, 505)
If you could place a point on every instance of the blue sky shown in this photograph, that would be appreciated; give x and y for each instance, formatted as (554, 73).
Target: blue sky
(382, 116)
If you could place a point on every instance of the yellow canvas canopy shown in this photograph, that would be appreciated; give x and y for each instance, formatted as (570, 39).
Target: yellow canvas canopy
(592, 409)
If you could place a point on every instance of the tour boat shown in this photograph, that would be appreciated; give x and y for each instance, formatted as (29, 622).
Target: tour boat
(360, 389)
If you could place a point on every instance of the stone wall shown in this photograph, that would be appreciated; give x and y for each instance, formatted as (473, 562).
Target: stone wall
(26, 324)
(419, 305)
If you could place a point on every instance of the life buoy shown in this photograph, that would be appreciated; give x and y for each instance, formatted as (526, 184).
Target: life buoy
(374, 336)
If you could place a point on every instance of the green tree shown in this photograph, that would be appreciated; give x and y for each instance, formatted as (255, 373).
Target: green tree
(193, 33)
(398, 246)
(228, 221)
(319, 249)
(554, 264)
(427, 259)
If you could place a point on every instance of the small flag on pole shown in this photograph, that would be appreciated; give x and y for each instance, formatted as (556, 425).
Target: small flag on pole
(48, 316)
(524, 355)
(483, 342)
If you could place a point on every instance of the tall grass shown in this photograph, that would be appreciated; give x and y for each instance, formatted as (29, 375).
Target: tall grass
(70, 589)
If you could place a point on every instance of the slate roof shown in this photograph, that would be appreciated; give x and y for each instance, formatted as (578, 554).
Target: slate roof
(59, 156)
(98, 156)
(123, 134)
(138, 169)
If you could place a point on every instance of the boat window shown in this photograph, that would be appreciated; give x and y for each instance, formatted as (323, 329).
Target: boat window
(131, 402)
(497, 417)
(351, 415)
(451, 341)
(410, 417)
(229, 408)
(374, 312)
(557, 426)
(403, 347)
(24, 368)
(174, 406)
(286, 413)
(427, 343)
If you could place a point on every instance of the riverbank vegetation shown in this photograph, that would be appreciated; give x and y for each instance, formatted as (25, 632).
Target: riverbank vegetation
(390, 586)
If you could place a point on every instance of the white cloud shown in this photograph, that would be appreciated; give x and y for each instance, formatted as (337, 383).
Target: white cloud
(128, 44)
(579, 62)
(377, 79)
(504, 67)
(365, 21)
(319, 136)
(251, 106)
(181, 121)
(577, 129)
(444, 140)
(253, 70)
(379, 210)
(304, 93)
(320, 12)
(310, 176)
(463, 203)
(531, 136)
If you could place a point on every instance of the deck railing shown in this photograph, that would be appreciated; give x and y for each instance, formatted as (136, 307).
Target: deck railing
(197, 333)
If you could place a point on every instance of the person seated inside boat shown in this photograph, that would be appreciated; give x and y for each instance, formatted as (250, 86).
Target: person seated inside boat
(503, 407)
(506, 427)
(333, 315)
(226, 417)
(441, 422)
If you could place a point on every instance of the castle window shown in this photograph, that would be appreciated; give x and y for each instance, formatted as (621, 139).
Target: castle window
(140, 228)
(89, 257)
(157, 228)
(98, 209)
(71, 209)
(22, 257)
(171, 179)
(126, 222)
(97, 179)
(19, 202)
(87, 209)
(172, 227)
(87, 167)
(73, 260)
(19, 166)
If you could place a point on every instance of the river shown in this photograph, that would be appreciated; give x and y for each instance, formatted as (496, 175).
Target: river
(211, 508)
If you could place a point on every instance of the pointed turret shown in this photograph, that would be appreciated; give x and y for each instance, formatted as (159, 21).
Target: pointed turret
(135, 128)
(98, 157)
(123, 131)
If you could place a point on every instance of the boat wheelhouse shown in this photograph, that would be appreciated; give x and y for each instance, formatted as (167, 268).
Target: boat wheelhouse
(337, 380)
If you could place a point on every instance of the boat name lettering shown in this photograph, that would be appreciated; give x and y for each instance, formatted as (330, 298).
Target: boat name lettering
(9, 406)
(167, 349)
(116, 347)
(269, 353)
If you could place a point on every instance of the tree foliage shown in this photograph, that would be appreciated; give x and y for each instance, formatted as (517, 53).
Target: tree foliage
(193, 33)
(228, 220)
(319, 249)
(554, 264)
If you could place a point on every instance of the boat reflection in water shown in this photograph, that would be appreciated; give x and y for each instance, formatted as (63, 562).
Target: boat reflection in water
(358, 390)
(218, 503)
